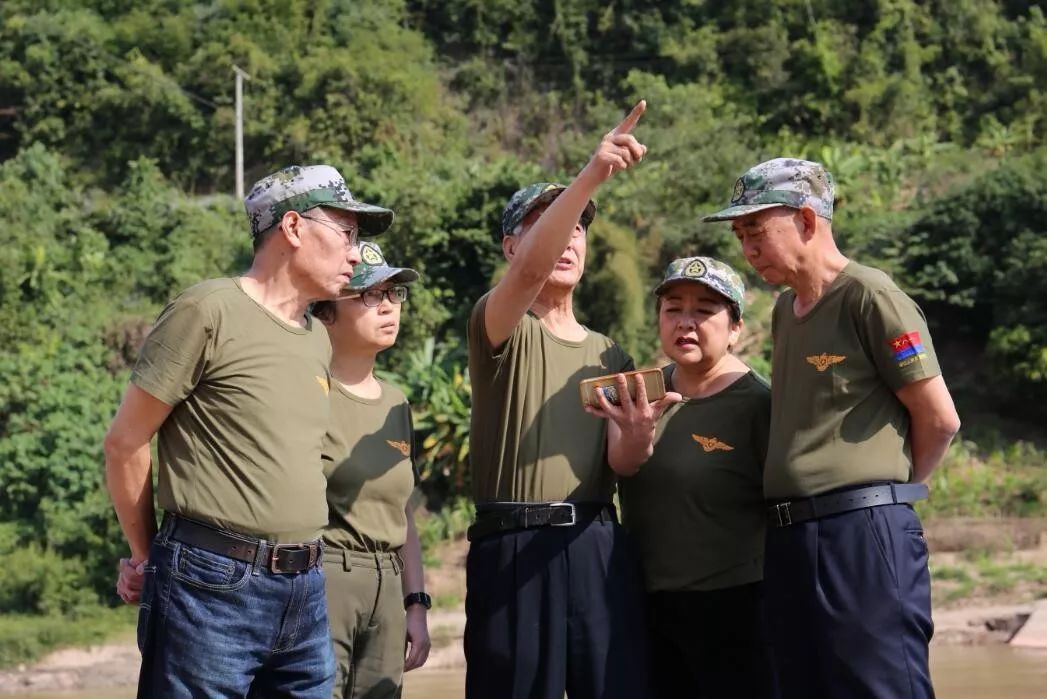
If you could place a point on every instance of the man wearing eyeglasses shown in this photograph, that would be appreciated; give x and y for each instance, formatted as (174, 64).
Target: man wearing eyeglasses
(553, 593)
(233, 379)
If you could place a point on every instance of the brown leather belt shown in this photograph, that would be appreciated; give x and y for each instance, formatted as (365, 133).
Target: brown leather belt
(278, 558)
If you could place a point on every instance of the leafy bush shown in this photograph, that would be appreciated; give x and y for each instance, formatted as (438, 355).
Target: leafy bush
(1010, 482)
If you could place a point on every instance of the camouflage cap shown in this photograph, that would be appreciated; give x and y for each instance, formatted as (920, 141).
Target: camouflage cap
(780, 182)
(714, 274)
(373, 269)
(521, 204)
(300, 188)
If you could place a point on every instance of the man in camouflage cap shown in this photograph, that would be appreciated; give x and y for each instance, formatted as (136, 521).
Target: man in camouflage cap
(860, 418)
(554, 599)
(537, 196)
(233, 379)
(302, 189)
(781, 182)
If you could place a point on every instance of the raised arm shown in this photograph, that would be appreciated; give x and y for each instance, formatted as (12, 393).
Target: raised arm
(534, 257)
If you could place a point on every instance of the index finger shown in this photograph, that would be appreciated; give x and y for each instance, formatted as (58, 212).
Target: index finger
(629, 122)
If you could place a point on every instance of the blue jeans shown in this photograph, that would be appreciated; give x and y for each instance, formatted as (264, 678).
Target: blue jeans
(212, 626)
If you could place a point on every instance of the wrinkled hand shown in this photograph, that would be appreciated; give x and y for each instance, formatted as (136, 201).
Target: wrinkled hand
(637, 418)
(619, 149)
(130, 579)
(418, 643)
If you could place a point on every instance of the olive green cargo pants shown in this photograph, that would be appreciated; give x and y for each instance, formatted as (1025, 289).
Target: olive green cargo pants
(368, 623)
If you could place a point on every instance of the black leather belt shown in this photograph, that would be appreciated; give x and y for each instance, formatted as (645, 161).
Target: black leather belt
(499, 517)
(278, 558)
(795, 511)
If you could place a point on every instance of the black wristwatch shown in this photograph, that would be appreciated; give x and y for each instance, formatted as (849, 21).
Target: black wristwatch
(418, 598)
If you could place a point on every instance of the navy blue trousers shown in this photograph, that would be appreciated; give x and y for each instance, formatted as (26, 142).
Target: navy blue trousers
(849, 605)
(710, 644)
(552, 610)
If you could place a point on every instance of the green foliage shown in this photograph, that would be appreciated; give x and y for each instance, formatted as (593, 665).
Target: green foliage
(1007, 482)
(437, 385)
(116, 155)
(979, 258)
(449, 523)
(24, 638)
(986, 575)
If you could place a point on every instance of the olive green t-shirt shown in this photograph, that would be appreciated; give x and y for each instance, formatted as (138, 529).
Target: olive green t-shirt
(241, 447)
(696, 507)
(369, 465)
(531, 439)
(835, 418)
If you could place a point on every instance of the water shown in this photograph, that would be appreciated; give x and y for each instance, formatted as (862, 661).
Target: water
(960, 672)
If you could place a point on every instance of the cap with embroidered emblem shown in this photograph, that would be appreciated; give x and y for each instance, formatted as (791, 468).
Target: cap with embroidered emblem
(780, 182)
(373, 269)
(714, 274)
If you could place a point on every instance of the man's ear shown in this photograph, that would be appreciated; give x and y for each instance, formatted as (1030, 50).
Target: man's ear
(810, 222)
(291, 228)
(509, 246)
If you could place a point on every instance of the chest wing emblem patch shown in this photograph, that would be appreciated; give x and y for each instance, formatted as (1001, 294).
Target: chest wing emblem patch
(712, 443)
(823, 361)
(324, 384)
(401, 446)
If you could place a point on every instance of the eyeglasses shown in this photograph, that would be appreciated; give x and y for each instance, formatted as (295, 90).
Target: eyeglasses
(373, 297)
(351, 235)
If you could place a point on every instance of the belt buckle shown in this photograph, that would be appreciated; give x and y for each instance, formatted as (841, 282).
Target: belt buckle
(274, 554)
(574, 514)
(779, 509)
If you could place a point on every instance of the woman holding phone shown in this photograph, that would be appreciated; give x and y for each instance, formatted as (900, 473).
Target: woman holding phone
(694, 505)
(373, 562)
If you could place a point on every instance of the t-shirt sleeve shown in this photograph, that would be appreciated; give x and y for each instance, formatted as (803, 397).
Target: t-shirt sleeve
(174, 355)
(622, 361)
(898, 339)
(480, 347)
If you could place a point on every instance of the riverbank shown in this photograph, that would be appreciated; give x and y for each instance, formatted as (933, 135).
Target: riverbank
(986, 576)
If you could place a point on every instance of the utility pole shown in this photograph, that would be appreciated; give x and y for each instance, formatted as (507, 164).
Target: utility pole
(240, 76)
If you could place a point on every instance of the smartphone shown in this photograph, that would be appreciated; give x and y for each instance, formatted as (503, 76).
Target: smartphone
(652, 381)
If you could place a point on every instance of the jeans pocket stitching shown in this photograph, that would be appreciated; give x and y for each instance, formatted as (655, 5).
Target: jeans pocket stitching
(233, 584)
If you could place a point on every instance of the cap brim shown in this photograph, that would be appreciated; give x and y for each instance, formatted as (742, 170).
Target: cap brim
(404, 275)
(372, 219)
(732, 212)
(661, 288)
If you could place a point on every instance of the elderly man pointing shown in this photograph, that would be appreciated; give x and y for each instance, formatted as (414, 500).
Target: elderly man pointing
(554, 596)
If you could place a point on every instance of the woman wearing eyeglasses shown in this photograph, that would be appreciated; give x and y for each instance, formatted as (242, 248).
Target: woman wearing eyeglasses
(372, 561)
